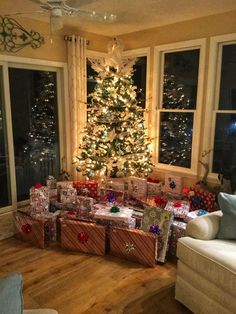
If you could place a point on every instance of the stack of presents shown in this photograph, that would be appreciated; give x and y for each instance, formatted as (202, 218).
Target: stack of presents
(133, 218)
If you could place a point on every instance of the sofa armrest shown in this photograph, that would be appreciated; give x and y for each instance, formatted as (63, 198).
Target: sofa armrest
(204, 227)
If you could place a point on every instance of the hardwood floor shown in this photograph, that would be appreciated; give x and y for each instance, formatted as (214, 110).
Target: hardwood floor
(74, 283)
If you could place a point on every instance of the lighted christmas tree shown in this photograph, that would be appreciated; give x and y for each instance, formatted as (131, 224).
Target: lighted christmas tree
(114, 142)
(176, 127)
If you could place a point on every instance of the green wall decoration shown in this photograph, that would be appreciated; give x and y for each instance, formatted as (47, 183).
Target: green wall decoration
(14, 37)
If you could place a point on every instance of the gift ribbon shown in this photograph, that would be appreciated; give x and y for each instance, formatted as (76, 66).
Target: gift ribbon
(114, 209)
(177, 204)
(26, 228)
(155, 229)
(83, 237)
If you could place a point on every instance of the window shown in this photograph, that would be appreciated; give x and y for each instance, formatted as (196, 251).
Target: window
(178, 85)
(31, 117)
(221, 115)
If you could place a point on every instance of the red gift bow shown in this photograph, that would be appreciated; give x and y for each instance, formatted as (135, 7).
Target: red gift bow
(83, 237)
(38, 185)
(177, 204)
(160, 200)
(186, 191)
(26, 228)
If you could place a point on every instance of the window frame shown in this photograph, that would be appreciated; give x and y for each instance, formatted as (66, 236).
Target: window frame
(158, 73)
(63, 114)
(212, 96)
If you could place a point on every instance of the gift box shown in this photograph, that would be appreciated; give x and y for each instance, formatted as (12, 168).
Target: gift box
(113, 196)
(29, 229)
(83, 237)
(138, 188)
(104, 212)
(86, 188)
(202, 199)
(194, 214)
(50, 224)
(39, 198)
(118, 184)
(68, 195)
(180, 208)
(85, 206)
(134, 245)
(178, 230)
(161, 220)
(154, 189)
(173, 183)
(53, 196)
(64, 185)
(51, 183)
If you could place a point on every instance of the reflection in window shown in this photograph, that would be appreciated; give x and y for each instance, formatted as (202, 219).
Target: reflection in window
(228, 78)
(91, 82)
(139, 79)
(225, 142)
(35, 127)
(180, 79)
(175, 145)
(4, 166)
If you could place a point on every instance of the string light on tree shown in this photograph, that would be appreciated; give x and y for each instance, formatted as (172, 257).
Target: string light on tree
(114, 141)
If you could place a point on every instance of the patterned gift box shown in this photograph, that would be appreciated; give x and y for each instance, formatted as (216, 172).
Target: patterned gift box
(83, 237)
(178, 230)
(180, 209)
(154, 189)
(202, 199)
(39, 198)
(51, 183)
(85, 206)
(68, 195)
(135, 245)
(115, 196)
(29, 229)
(50, 224)
(86, 188)
(118, 184)
(64, 185)
(194, 214)
(154, 216)
(173, 184)
(138, 188)
(53, 195)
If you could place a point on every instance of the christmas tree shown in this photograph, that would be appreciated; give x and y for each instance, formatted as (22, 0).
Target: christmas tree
(114, 142)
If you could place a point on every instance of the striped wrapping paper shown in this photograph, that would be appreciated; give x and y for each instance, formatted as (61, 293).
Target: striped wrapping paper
(29, 229)
(83, 237)
(135, 245)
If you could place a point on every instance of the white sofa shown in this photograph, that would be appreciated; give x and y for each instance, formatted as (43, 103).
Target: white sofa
(206, 269)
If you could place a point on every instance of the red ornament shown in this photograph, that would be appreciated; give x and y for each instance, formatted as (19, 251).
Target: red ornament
(26, 228)
(38, 185)
(83, 237)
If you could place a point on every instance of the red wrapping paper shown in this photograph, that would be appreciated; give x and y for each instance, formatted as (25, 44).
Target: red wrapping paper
(86, 188)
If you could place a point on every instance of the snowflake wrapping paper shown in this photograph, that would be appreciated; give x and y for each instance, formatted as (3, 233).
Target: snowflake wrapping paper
(103, 212)
(86, 188)
(68, 195)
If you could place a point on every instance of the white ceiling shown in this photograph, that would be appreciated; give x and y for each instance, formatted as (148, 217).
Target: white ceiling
(131, 15)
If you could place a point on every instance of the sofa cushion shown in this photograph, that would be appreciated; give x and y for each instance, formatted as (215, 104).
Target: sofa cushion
(215, 260)
(227, 203)
(11, 301)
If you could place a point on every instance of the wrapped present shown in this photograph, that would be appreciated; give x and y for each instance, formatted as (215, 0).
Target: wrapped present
(154, 189)
(68, 195)
(29, 229)
(173, 183)
(202, 199)
(85, 206)
(64, 185)
(104, 212)
(50, 224)
(39, 198)
(118, 184)
(51, 183)
(194, 214)
(138, 188)
(179, 208)
(178, 230)
(86, 188)
(83, 237)
(53, 196)
(154, 216)
(115, 196)
(135, 245)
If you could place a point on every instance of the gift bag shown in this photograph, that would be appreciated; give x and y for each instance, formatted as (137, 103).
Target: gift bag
(158, 220)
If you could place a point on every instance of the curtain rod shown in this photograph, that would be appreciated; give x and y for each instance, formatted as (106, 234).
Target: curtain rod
(69, 38)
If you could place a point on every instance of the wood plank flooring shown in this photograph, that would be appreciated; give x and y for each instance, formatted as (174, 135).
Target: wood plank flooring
(74, 283)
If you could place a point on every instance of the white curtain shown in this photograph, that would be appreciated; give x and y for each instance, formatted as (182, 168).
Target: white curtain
(76, 48)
